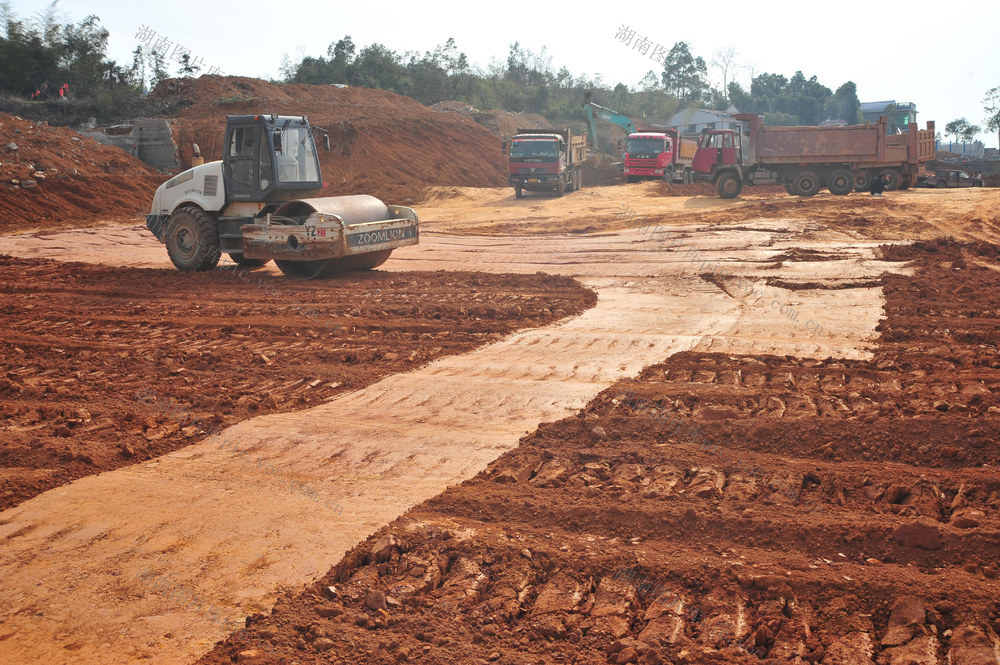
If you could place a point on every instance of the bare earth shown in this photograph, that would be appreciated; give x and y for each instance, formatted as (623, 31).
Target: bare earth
(155, 562)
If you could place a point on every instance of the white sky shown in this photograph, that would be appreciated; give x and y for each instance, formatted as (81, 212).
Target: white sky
(943, 62)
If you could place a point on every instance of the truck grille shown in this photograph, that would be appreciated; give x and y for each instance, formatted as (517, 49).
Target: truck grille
(642, 163)
(211, 187)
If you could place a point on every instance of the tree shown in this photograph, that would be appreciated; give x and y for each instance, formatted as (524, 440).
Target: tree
(957, 128)
(992, 104)
(683, 74)
(159, 68)
(970, 131)
(187, 68)
(844, 105)
(725, 61)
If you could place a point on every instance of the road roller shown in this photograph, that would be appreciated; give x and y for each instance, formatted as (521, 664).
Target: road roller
(253, 205)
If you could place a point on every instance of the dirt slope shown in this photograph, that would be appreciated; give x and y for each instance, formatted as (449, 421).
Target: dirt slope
(383, 144)
(55, 177)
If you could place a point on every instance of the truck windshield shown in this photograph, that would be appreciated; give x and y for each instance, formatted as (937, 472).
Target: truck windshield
(644, 146)
(295, 152)
(544, 148)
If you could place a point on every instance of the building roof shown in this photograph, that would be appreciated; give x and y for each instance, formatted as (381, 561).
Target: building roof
(872, 107)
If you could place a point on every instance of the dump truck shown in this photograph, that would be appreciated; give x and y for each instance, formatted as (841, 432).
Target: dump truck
(546, 160)
(805, 159)
(251, 204)
(659, 154)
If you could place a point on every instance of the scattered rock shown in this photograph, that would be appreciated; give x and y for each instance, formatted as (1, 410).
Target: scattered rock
(12, 146)
(967, 518)
(376, 601)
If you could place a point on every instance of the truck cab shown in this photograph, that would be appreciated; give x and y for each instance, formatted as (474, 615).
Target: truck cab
(717, 148)
(648, 155)
(545, 161)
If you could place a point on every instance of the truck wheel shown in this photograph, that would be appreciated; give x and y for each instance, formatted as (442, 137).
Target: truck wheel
(907, 181)
(560, 189)
(668, 175)
(688, 177)
(518, 193)
(631, 178)
(192, 239)
(579, 179)
(729, 186)
(862, 181)
(840, 182)
(807, 182)
(790, 188)
(892, 179)
(247, 263)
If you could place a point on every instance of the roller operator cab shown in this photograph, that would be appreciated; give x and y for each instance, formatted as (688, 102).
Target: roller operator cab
(247, 205)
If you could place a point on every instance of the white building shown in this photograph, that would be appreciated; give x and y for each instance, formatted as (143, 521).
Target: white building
(692, 121)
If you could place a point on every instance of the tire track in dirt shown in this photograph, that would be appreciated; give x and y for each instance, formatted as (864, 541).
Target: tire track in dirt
(231, 528)
(219, 521)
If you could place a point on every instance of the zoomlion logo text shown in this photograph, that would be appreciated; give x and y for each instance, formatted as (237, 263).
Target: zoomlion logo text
(379, 237)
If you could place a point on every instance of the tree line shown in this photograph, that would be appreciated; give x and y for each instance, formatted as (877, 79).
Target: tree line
(43, 50)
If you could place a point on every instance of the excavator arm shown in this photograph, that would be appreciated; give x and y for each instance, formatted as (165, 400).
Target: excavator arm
(593, 110)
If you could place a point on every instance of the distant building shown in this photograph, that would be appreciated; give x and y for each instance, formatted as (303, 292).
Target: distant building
(692, 121)
(904, 114)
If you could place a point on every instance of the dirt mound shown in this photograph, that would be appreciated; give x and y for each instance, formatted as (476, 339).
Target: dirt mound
(716, 509)
(707, 189)
(503, 124)
(52, 176)
(119, 369)
(383, 144)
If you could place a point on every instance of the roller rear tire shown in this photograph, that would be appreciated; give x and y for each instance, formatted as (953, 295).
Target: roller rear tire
(192, 239)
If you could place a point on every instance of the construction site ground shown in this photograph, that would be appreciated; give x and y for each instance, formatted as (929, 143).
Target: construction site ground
(614, 427)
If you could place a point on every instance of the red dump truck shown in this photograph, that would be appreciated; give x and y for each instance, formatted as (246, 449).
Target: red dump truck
(546, 160)
(805, 159)
(660, 154)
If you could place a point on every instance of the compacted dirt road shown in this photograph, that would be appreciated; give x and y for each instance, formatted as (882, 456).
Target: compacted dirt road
(734, 463)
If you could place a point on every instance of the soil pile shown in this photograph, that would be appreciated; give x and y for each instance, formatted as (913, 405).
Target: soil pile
(52, 176)
(105, 367)
(716, 509)
(383, 144)
(503, 124)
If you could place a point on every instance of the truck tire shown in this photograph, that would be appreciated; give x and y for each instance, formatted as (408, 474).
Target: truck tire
(192, 239)
(907, 181)
(862, 181)
(892, 179)
(518, 193)
(729, 185)
(579, 179)
(807, 183)
(840, 182)
(668, 175)
(561, 189)
(790, 188)
(688, 177)
(631, 178)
